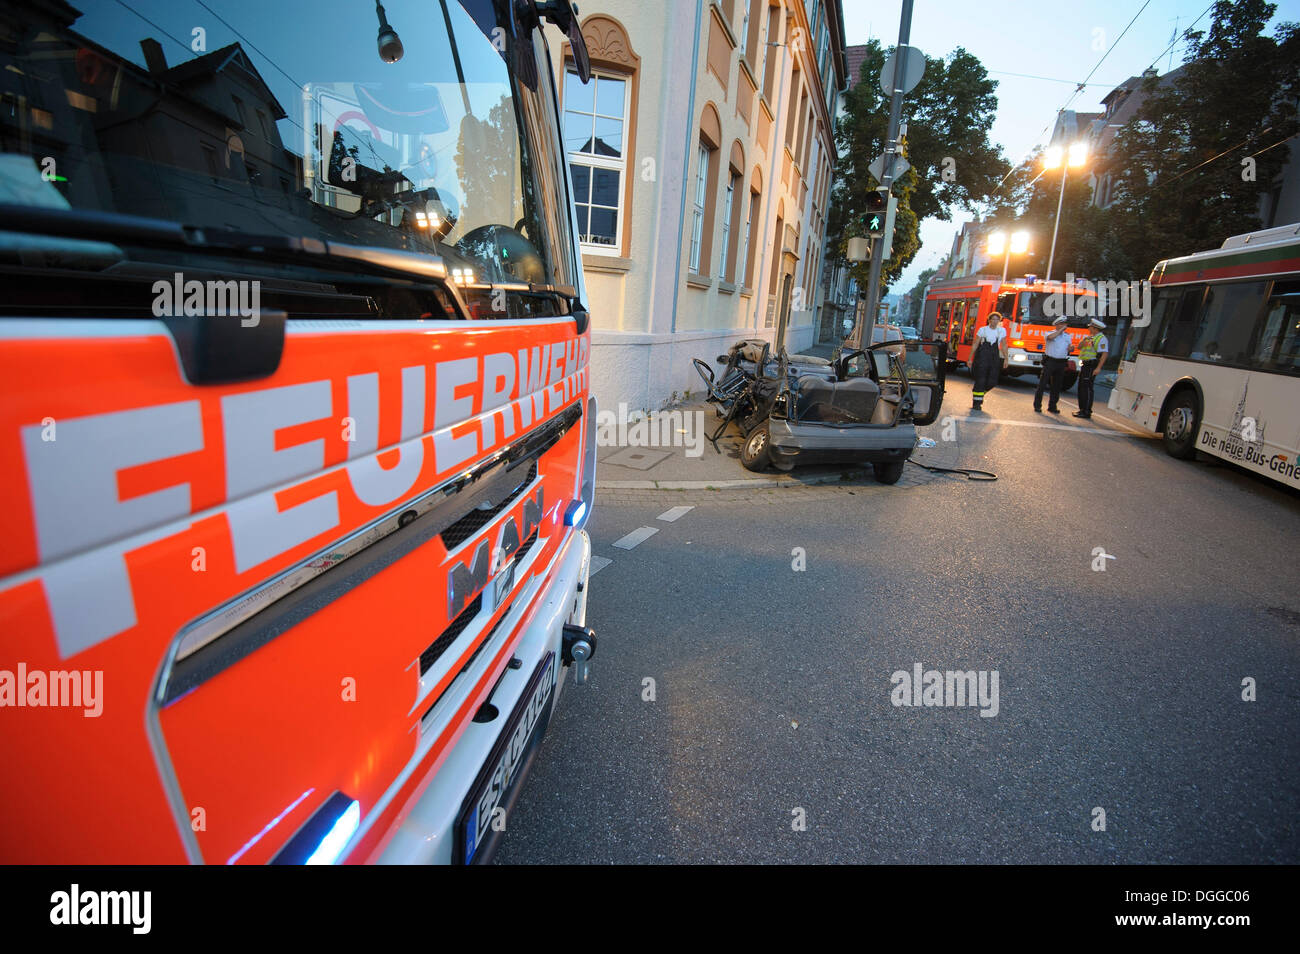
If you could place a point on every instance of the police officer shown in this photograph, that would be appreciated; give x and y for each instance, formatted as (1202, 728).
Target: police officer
(1056, 352)
(1092, 353)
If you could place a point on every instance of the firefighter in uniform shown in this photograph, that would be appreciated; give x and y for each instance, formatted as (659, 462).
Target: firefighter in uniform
(1092, 355)
(990, 359)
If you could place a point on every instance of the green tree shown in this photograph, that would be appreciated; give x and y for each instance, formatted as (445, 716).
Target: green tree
(1183, 165)
(953, 164)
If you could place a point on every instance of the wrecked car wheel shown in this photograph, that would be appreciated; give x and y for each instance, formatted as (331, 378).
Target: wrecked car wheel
(889, 472)
(756, 452)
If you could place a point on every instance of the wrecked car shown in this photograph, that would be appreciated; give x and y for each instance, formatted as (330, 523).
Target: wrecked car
(860, 408)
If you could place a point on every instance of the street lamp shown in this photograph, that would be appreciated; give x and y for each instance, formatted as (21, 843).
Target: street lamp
(1056, 156)
(999, 245)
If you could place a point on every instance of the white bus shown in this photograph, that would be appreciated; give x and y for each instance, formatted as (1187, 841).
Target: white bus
(1217, 369)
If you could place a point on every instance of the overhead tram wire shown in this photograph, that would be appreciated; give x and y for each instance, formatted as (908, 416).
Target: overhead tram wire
(1079, 87)
(243, 39)
(1046, 79)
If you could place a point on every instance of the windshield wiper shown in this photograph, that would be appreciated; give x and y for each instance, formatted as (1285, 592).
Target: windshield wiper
(118, 228)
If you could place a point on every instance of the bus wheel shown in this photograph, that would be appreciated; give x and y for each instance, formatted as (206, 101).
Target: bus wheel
(888, 472)
(1069, 381)
(755, 453)
(1182, 422)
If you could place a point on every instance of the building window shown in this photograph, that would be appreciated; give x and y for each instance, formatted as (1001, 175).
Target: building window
(769, 51)
(753, 32)
(594, 124)
(744, 30)
(742, 258)
(210, 156)
(747, 257)
(733, 182)
(701, 196)
(793, 115)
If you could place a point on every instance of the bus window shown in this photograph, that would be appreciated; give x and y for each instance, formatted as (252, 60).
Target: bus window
(1178, 329)
(1278, 348)
(1145, 338)
(1227, 322)
(972, 320)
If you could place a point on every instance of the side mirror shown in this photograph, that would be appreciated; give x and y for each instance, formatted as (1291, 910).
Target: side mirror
(564, 14)
(723, 359)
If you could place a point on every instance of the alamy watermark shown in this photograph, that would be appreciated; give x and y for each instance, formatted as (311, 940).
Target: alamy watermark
(132, 909)
(676, 428)
(57, 688)
(950, 689)
(194, 298)
(1123, 299)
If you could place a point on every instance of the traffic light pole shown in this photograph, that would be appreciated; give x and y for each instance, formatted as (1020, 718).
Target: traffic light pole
(867, 326)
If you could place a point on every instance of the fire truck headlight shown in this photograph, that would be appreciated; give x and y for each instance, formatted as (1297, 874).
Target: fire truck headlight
(1019, 357)
(321, 840)
(574, 515)
(340, 833)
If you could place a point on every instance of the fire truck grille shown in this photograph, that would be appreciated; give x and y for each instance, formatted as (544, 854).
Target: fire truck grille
(526, 546)
(476, 520)
(478, 651)
(439, 645)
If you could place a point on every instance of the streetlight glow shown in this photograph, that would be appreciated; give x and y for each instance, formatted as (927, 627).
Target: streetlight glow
(1078, 154)
(1019, 242)
(997, 242)
(1053, 157)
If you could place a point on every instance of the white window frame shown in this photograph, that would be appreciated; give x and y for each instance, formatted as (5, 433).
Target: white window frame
(593, 163)
(701, 195)
(744, 28)
(732, 179)
(742, 260)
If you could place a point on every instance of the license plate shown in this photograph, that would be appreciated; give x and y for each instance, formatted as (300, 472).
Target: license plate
(500, 774)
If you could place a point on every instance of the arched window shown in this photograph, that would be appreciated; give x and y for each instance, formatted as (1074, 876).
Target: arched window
(600, 135)
(706, 188)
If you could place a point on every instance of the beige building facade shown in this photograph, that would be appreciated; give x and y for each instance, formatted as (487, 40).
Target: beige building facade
(701, 156)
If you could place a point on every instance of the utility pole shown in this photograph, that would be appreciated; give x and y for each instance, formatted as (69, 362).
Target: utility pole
(891, 152)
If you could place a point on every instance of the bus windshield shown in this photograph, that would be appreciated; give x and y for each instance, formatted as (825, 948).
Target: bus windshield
(285, 119)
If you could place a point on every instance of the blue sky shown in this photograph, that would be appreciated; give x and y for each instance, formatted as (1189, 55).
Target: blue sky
(1044, 38)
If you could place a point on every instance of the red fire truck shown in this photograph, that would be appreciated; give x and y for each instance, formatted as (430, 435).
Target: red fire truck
(956, 307)
(296, 442)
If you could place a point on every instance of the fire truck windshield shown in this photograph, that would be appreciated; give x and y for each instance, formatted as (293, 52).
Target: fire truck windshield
(288, 118)
(1034, 308)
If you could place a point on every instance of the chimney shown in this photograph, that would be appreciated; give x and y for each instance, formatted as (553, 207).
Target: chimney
(1149, 73)
(154, 58)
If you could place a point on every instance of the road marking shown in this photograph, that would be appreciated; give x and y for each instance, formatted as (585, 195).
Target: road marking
(1051, 427)
(636, 537)
(598, 563)
(669, 516)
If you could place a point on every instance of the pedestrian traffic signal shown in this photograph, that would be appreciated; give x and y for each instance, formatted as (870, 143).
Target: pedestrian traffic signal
(874, 220)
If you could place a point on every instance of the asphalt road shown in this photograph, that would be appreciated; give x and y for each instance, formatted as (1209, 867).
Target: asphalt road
(1118, 689)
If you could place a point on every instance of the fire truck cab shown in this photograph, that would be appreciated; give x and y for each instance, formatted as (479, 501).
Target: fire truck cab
(296, 437)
